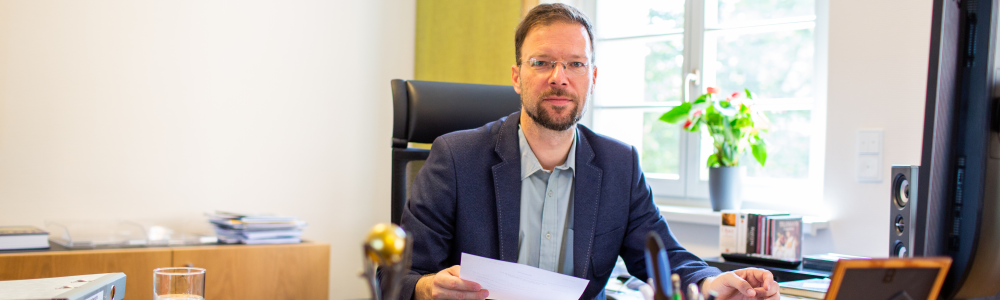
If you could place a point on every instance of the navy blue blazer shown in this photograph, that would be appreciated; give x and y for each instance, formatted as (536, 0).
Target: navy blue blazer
(467, 198)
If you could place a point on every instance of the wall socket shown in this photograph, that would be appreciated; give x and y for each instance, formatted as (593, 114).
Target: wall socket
(870, 155)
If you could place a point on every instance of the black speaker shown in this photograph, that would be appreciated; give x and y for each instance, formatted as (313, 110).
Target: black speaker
(905, 236)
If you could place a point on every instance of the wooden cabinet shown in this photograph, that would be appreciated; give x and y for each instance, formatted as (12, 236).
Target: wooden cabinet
(137, 264)
(299, 271)
(288, 271)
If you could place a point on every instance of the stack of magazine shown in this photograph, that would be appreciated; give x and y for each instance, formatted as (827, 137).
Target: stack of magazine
(233, 228)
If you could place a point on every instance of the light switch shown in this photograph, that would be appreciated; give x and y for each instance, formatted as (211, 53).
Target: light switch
(868, 167)
(870, 141)
(869, 155)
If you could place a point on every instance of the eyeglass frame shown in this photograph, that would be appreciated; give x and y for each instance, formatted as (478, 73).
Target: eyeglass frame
(565, 64)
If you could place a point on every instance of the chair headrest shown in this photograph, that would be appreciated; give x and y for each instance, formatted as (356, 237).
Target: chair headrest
(436, 108)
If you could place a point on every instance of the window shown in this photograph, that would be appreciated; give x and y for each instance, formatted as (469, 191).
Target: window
(651, 55)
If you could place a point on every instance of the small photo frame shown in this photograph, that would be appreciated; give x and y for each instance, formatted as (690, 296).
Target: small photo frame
(890, 279)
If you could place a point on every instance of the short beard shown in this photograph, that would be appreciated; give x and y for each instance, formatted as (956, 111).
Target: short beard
(542, 116)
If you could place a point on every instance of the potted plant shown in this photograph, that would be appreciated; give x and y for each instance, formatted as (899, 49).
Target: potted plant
(734, 128)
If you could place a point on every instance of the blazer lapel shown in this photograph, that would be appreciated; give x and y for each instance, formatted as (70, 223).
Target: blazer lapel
(507, 185)
(586, 198)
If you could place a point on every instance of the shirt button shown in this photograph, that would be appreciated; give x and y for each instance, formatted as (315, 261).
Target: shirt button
(548, 236)
(550, 193)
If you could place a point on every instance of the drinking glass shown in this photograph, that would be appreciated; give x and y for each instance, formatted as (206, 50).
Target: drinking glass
(179, 284)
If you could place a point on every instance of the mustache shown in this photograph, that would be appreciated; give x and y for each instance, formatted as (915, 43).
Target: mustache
(556, 92)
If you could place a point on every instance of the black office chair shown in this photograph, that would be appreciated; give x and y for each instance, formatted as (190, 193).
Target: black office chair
(424, 110)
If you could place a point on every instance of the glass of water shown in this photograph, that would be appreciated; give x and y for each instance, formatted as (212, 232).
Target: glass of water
(179, 284)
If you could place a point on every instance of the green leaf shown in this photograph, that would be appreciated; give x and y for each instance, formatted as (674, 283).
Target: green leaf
(677, 114)
(743, 122)
(748, 94)
(713, 161)
(759, 149)
(701, 99)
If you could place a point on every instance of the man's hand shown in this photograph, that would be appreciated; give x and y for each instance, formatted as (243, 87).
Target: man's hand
(749, 283)
(447, 285)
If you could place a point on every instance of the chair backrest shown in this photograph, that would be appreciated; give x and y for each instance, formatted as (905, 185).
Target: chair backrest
(424, 110)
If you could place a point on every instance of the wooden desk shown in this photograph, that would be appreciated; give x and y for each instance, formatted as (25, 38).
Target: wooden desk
(287, 271)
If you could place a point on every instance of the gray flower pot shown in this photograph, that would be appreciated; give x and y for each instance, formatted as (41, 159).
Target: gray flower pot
(725, 187)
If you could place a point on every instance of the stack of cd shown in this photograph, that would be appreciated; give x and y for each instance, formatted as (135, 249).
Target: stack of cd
(256, 229)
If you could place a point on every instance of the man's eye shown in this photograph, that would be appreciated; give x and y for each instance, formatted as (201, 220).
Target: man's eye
(538, 63)
(577, 64)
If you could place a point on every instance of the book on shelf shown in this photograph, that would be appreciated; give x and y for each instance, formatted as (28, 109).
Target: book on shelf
(733, 231)
(761, 235)
(23, 237)
(785, 240)
(809, 288)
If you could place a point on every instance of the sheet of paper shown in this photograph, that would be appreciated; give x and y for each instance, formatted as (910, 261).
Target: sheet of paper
(813, 285)
(507, 280)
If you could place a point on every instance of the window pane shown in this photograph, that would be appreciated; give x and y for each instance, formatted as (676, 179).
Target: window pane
(663, 70)
(787, 147)
(660, 145)
(638, 17)
(732, 12)
(639, 70)
(775, 64)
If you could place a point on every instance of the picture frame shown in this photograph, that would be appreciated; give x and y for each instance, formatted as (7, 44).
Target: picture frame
(891, 278)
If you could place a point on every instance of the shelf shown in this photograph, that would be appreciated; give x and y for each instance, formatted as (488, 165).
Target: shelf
(705, 216)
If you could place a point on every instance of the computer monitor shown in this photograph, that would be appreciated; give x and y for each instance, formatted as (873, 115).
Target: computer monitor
(959, 172)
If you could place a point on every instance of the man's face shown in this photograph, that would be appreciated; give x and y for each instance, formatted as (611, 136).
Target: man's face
(555, 97)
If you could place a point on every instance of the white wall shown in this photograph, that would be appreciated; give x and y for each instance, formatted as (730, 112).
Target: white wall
(164, 110)
(877, 79)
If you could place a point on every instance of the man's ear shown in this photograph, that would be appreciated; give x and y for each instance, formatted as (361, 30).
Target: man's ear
(515, 78)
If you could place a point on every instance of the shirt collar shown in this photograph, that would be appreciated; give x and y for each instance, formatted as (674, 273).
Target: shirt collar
(529, 162)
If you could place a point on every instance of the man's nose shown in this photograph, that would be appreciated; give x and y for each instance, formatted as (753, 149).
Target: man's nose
(558, 74)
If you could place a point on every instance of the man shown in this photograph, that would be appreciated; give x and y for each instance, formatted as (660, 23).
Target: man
(537, 189)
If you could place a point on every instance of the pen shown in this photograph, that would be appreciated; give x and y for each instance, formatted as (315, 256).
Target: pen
(693, 291)
(712, 295)
(677, 286)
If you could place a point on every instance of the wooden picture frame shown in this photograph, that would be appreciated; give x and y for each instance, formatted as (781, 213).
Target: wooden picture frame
(891, 278)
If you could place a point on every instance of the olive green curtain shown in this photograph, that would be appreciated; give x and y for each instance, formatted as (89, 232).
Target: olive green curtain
(467, 41)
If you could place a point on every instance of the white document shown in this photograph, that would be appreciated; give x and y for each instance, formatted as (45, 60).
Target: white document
(507, 280)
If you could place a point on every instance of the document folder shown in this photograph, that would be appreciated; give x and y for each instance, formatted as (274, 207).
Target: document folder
(109, 286)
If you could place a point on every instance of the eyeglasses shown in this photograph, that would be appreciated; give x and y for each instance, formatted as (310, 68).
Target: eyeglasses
(542, 66)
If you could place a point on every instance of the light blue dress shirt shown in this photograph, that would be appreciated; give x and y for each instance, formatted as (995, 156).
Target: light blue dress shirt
(546, 225)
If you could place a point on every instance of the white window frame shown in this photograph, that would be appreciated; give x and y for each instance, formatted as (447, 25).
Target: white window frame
(690, 189)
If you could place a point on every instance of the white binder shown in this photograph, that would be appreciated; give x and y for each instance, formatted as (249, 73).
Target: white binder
(109, 286)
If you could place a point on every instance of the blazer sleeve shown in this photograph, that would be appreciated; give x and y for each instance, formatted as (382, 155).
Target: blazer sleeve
(429, 216)
(644, 217)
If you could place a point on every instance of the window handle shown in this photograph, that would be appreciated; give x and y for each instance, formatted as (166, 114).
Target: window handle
(692, 77)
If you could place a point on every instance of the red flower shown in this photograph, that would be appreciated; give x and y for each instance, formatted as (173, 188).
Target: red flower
(695, 115)
(712, 90)
(687, 124)
(735, 95)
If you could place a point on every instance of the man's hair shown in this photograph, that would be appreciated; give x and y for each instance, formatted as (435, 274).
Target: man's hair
(546, 14)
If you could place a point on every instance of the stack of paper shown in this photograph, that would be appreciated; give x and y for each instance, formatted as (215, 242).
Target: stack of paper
(256, 229)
